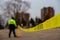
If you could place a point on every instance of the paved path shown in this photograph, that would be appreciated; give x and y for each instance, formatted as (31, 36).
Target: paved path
(52, 34)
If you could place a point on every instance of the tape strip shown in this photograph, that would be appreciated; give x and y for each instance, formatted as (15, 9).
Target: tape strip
(48, 24)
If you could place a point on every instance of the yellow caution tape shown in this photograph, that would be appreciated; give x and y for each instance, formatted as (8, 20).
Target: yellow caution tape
(52, 22)
(48, 24)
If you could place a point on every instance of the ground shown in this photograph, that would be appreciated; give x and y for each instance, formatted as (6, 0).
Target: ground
(51, 34)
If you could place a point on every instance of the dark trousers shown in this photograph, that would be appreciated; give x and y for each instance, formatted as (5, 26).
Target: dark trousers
(12, 29)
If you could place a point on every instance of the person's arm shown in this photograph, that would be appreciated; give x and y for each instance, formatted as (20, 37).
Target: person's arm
(15, 23)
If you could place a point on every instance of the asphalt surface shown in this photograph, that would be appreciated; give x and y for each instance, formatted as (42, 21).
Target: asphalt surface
(51, 34)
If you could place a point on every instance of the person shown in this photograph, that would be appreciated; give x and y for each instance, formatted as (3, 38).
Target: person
(12, 25)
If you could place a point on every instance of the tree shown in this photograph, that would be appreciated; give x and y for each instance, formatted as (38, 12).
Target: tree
(38, 20)
(16, 6)
(13, 6)
(32, 22)
(1, 26)
(0, 19)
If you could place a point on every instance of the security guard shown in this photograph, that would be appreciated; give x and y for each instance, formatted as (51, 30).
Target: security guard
(12, 26)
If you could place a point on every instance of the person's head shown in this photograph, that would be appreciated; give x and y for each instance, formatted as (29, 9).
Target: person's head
(12, 17)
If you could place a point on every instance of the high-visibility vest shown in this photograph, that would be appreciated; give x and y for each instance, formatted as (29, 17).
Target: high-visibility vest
(12, 21)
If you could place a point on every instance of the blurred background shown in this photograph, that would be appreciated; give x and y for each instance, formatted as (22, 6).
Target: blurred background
(27, 13)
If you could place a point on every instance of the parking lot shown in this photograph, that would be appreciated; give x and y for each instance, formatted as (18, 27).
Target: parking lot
(51, 34)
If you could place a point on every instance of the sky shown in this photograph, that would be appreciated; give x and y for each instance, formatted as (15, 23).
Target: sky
(37, 5)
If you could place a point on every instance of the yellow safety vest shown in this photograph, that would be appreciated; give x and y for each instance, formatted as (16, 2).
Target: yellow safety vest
(12, 21)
